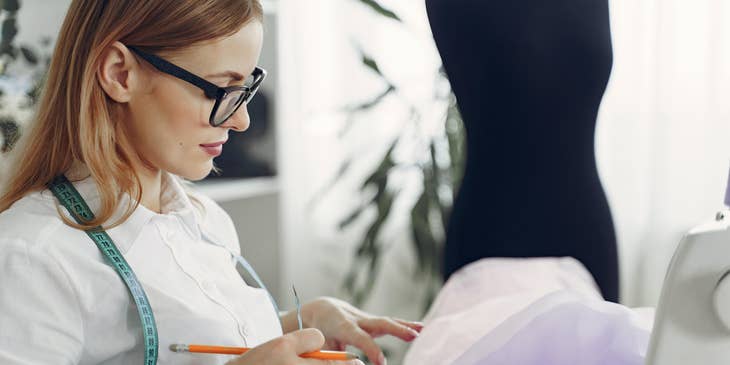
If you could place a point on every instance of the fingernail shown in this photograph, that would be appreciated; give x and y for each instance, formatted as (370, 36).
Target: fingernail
(413, 334)
(382, 359)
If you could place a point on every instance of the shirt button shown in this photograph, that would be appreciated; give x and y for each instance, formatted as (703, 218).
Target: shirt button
(208, 286)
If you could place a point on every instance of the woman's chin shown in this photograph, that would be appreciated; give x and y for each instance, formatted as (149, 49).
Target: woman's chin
(197, 174)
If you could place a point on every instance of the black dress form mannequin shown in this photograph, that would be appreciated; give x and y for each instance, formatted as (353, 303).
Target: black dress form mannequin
(529, 76)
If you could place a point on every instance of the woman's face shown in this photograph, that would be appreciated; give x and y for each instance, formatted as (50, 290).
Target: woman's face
(168, 118)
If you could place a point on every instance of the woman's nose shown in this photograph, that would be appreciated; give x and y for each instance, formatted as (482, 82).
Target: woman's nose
(239, 121)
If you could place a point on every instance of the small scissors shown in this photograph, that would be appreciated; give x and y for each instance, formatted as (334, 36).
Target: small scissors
(299, 307)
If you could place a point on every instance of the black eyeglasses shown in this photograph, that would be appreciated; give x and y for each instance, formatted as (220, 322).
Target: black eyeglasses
(227, 99)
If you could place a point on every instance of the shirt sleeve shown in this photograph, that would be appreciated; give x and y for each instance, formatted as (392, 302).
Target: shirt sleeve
(40, 315)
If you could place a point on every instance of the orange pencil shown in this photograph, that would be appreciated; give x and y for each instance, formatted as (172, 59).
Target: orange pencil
(321, 355)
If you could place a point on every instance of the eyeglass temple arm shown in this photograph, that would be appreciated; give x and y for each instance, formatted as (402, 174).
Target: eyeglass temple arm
(211, 90)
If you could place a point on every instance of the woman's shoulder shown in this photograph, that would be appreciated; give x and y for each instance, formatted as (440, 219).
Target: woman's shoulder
(29, 215)
(34, 223)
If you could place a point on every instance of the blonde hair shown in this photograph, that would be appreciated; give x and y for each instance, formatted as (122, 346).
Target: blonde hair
(75, 119)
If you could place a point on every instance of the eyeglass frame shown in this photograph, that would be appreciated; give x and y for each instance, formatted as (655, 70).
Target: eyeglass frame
(211, 90)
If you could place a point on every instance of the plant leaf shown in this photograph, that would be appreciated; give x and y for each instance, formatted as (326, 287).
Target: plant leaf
(431, 293)
(381, 10)
(369, 251)
(351, 218)
(456, 137)
(11, 5)
(372, 102)
(9, 29)
(432, 183)
(370, 63)
(420, 232)
(380, 175)
(363, 107)
(29, 55)
(11, 133)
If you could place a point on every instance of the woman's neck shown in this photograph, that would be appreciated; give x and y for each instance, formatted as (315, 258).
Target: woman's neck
(151, 185)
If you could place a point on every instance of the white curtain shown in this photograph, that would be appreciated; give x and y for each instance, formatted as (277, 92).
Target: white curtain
(663, 139)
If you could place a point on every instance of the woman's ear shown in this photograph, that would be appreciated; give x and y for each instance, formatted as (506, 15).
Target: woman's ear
(116, 71)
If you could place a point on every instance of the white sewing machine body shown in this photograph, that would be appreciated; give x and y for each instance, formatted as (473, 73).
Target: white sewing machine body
(692, 322)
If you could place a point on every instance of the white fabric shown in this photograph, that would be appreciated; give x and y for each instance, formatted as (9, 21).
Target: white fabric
(535, 311)
(60, 303)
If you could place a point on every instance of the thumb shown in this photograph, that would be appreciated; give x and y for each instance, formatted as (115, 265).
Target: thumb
(306, 340)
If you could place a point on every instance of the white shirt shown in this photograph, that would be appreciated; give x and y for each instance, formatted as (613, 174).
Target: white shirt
(60, 303)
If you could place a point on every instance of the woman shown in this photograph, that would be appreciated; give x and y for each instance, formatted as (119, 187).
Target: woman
(133, 104)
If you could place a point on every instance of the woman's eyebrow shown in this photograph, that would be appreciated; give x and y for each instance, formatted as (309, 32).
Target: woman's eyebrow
(232, 74)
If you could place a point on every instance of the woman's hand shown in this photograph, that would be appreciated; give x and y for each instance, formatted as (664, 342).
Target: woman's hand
(285, 350)
(342, 324)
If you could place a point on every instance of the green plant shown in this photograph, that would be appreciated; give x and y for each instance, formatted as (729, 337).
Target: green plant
(34, 65)
(441, 175)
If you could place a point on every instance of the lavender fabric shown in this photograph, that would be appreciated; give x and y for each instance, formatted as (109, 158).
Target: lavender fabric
(569, 330)
(528, 311)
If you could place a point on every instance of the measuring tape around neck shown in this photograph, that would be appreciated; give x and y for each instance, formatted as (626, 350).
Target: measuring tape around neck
(76, 205)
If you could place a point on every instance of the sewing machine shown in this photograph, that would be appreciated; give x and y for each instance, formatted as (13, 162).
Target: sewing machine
(692, 322)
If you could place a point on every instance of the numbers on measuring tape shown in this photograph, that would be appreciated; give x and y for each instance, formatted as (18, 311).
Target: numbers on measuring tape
(76, 205)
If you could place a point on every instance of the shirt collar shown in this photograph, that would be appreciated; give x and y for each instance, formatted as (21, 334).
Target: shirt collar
(174, 202)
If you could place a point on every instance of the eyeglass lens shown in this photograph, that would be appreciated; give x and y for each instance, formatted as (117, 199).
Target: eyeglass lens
(230, 103)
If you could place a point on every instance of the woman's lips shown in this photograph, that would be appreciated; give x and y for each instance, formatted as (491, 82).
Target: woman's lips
(213, 149)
